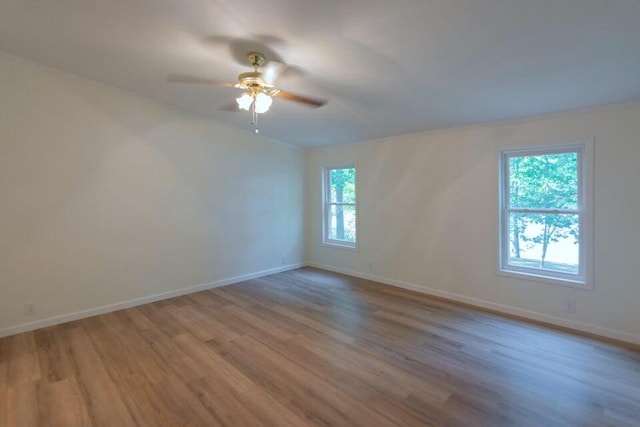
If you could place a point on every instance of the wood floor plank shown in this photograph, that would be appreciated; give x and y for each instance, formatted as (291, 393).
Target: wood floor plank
(310, 394)
(103, 400)
(23, 365)
(53, 363)
(61, 404)
(4, 378)
(22, 404)
(312, 348)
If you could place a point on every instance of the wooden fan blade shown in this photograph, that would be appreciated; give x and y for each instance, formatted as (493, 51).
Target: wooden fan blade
(311, 102)
(182, 78)
(272, 71)
(231, 107)
(275, 70)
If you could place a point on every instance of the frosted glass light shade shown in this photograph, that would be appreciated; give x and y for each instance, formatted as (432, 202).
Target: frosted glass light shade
(263, 102)
(244, 102)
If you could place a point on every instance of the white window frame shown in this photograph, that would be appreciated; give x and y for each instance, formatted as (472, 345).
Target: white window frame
(327, 203)
(584, 278)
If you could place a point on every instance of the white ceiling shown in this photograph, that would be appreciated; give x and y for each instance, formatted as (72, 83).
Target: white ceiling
(387, 67)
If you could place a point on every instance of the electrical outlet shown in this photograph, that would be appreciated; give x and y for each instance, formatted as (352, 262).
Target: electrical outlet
(369, 266)
(283, 259)
(570, 306)
(29, 308)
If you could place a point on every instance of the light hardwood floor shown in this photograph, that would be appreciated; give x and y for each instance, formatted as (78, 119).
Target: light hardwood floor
(308, 347)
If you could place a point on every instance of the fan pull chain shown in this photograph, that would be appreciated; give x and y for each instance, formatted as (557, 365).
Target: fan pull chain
(254, 122)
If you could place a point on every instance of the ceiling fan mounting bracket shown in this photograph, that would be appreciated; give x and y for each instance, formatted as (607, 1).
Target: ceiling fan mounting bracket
(256, 59)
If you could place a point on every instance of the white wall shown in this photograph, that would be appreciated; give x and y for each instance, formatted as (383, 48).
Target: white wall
(428, 217)
(107, 197)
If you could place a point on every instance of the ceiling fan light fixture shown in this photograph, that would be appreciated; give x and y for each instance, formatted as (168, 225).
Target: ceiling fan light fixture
(245, 101)
(263, 102)
(258, 87)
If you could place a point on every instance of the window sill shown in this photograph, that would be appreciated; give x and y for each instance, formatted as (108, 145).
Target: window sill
(338, 245)
(577, 284)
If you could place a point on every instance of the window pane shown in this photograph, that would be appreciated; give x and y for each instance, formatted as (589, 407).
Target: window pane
(342, 185)
(544, 181)
(342, 223)
(545, 241)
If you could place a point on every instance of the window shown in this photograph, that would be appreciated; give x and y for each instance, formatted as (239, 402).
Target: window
(545, 213)
(339, 206)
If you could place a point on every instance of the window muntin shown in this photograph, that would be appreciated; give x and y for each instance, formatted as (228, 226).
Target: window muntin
(543, 213)
(340, 206)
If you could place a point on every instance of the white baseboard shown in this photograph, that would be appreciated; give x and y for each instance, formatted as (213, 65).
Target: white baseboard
(571, 324)
(55, 320)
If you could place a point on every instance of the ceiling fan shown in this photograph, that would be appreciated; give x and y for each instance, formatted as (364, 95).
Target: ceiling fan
(259, 87)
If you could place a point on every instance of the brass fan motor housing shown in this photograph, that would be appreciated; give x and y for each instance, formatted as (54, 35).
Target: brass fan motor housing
(252, 80)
